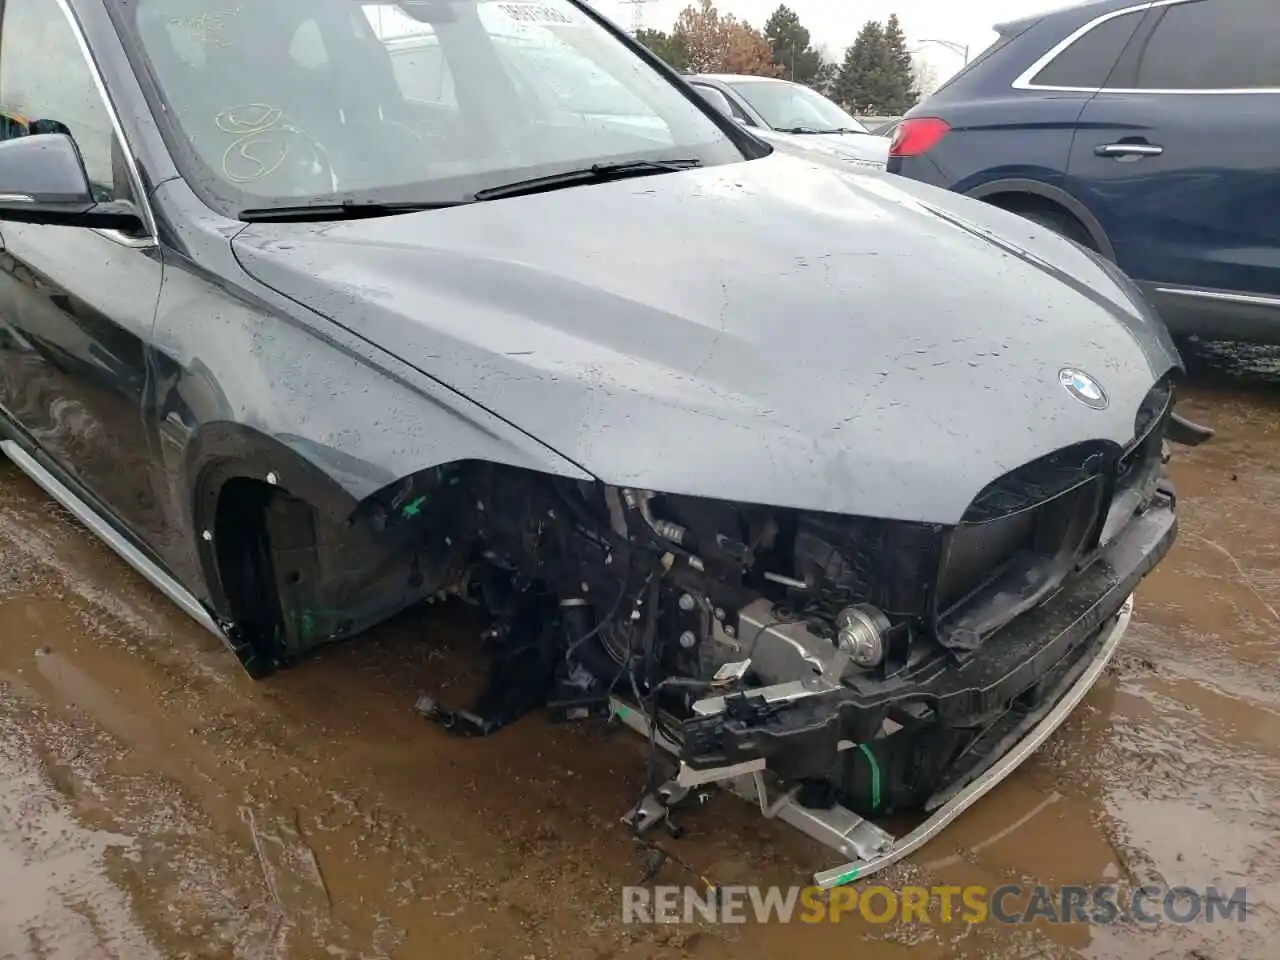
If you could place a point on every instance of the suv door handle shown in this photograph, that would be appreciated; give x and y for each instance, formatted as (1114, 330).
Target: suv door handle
(1128, 151)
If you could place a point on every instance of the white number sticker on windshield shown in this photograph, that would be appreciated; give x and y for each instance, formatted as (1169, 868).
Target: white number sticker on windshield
(539, 14)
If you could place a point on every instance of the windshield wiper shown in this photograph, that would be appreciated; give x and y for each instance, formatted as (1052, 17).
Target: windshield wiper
(356, 209)
(347, 210)
(815, 130)
(596, 173)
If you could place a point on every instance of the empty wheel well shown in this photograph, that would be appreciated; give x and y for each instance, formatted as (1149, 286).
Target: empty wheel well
(294, 577)
(245, 568)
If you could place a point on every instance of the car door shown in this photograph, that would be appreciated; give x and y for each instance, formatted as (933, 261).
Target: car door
(76, 305)
(1179, 154)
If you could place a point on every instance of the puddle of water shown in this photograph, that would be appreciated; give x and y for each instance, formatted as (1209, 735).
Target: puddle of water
(57, 901)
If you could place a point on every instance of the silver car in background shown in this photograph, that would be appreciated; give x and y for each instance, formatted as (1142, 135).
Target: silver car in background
(794, 116)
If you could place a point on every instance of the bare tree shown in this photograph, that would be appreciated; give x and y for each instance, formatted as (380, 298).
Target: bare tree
(924, 76)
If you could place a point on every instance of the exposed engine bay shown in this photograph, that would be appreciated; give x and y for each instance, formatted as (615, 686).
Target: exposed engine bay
(746, 633)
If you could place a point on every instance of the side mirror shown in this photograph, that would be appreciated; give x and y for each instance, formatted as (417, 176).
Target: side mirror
(717, 100)
(43, 180)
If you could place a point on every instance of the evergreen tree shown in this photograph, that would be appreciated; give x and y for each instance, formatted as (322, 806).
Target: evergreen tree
(669, 46)
(858, 84)
(897, 95)
(828, 73)
(792, 47)
(878, 76)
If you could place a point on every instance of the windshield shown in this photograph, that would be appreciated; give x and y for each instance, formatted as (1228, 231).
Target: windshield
(320, 101)
(790, 106)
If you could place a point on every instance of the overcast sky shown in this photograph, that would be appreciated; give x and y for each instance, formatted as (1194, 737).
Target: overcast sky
(834, 23)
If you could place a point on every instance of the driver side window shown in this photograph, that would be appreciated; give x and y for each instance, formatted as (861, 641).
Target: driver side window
(46, 86)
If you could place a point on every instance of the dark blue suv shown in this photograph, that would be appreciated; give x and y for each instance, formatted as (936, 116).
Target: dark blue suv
(1148, 130)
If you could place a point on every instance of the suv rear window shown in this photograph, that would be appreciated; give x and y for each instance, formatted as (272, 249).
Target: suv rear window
(1226, 45)
(1087, 63)
(1005, 37)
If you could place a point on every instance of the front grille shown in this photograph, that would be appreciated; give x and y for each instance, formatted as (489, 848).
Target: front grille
(1020, 539)
(1024, 533)
(1018, 516)
(1039, 481)
(978, 551)
(1023, 551)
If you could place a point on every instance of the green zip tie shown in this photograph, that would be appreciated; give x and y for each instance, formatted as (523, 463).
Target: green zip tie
(875, 775)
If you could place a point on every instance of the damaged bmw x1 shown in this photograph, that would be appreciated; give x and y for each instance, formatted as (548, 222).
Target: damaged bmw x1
(835, 485)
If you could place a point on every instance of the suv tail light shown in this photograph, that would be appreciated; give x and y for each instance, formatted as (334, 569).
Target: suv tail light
(918, 135)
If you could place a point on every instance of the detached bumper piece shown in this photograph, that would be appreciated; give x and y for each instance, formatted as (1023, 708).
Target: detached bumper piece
(1187, 433)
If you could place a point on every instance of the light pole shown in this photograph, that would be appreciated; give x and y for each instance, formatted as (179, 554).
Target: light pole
(637, 13)
(959, 49)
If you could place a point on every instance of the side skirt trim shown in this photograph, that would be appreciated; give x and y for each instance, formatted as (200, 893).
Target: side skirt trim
(108, 535)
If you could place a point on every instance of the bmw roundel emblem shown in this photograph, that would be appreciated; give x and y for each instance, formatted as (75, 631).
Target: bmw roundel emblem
(1083, 387)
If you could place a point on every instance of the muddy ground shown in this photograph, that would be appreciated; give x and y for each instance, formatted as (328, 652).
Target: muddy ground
(154, 802)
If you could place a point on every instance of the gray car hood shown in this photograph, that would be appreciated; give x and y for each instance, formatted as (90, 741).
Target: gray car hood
(773, 331)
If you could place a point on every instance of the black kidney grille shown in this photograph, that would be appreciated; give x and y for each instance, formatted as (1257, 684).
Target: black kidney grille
(1040, 480)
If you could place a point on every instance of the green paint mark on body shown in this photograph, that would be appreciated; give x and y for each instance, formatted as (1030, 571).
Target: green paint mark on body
(413, 509)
